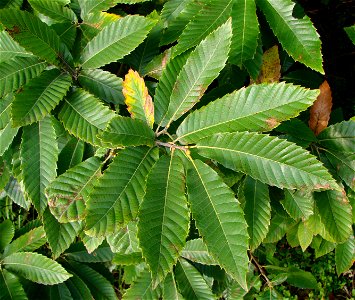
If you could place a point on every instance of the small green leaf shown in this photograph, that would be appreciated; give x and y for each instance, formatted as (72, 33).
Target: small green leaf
(298, 204)
(196, 251)
(7, 232)
(344, 255)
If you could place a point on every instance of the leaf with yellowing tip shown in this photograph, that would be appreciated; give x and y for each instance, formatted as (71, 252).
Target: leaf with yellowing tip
(321, 109)
(137, 98)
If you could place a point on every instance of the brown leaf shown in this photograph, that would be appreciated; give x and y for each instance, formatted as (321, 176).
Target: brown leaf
(321, 109)
(271, 67)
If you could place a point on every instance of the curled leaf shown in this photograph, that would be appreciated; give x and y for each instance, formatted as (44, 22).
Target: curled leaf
(137, 98)
(321, 109)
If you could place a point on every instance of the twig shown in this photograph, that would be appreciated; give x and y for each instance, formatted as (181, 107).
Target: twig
(172, 146)
(261, 270)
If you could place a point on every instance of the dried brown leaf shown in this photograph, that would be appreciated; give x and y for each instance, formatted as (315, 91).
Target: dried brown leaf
(321, 109)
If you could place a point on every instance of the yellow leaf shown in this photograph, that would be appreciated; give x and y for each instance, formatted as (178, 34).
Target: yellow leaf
(139, 102)
(271, 67)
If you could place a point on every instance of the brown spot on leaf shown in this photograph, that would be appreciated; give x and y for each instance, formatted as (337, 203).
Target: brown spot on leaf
(14, 30)
(272, 123)
(322, 186)
(321, 109)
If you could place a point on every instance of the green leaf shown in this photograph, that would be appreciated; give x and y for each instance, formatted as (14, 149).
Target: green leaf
(268, 159)
(344, 255)
(297, 35)
(221, 223)
(11, 4)
(10, 286)
(99, 286)
(103, 85)
(339, 137)
(196, 251)
(335, 213)
(7, 232)
(201, 68)
(9, 48)
(301, 279)
(35, 36)
(68, 193)
(126, 240)
(124, 132)
(191, 284)
(350, 31)
(91, 243)
(170, 290)
(67, 33)
(59, 235)
(6, 137)
(344, 164)
(277, 229)
(142, 288)
(257, 210)
(27, 242)
(5, 107)
(79, 253)
(245, 31)
(115, 41)
(298, 204)
(166, 85)
(54, 10)
(255, 108)
(305, 235)
(163, 217)
(84, 116)
(209, 18)
(59, 292)
(39, 155)
(16, 192)
(123, 185)
(39, 97)
(139, 102)
(78, 289)
(16, 72)
(71, 155)
(36, 267)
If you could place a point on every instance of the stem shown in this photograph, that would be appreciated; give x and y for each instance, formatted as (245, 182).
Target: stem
(261, 270)
(172, 146)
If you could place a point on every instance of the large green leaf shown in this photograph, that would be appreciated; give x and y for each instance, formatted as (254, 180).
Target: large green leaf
(16, 192)
(18, 71)
(344, 255)
(35, 36)
(344, 164)
(196, 251)
(79, 253)
(7, 232)
(209, 18)
(166, 85)
(115, 41)
(9, 48)
(298, 204)
(335, 213)
(103, 85)
(245, 31)
(99, 286)
(36, 267)
(257, 210)
(221, 222)
(54, 10)
(142, 288)
(124, 131)
(68, 193)
(39, 155)
(78, 289)
(85, 116)
(201, 68)
(59, 235)
(296, 35)
(116, 197)
(339, 137)
(126, 240)
(170, 290)
(59, 292)
(164, 217)
(10, 286)
(71, 155)
(268, 159)
(191, 284)
(39, 97)
(27, 242)
(255, 108)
